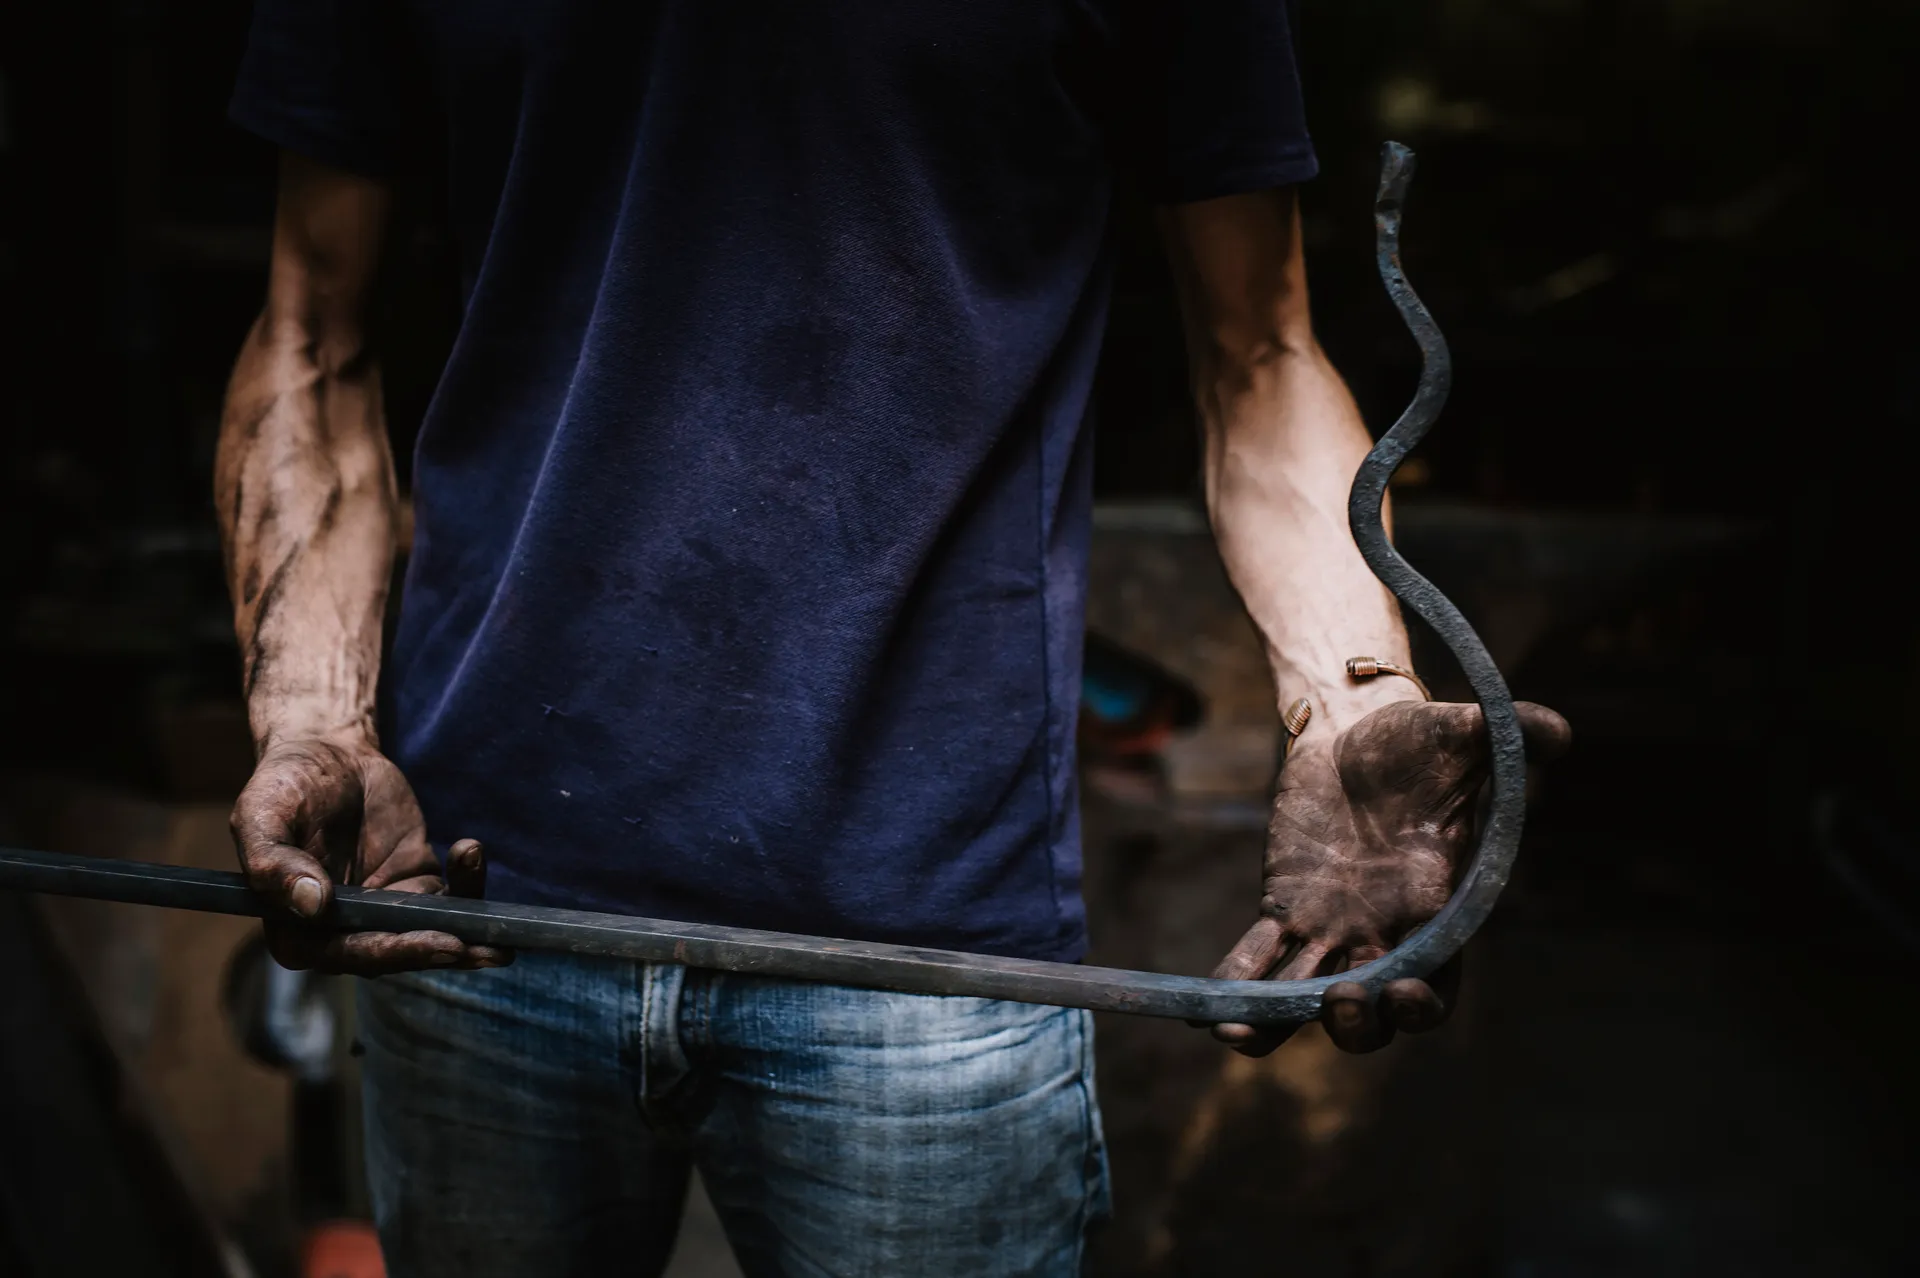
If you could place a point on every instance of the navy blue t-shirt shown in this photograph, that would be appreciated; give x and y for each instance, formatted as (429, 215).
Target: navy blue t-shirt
(752, 507)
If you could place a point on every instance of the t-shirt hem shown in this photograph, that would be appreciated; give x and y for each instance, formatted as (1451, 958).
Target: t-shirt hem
(290, 133)
(1259, 173)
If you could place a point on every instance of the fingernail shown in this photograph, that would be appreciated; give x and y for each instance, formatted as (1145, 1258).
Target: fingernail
(1347, 1015)
(307, 896)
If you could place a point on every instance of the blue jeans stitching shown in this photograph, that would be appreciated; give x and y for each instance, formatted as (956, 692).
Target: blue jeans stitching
(1094, 1162)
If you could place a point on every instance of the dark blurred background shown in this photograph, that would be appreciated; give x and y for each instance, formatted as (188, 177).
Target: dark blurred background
(1668, 241)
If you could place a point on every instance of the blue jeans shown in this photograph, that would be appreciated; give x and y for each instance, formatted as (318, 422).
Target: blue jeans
(540, 1120)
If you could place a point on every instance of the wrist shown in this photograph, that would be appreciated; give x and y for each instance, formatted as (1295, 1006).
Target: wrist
(276, 722)
(1347, 691)
(1337, 707)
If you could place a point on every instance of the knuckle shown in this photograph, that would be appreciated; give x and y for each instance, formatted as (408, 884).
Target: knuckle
(256, 853)
(353, 956)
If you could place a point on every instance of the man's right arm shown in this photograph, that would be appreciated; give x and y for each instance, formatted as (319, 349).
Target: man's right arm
(304, 487)
(304, 476)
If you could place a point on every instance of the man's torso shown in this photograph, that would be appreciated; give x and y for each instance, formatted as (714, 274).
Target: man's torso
(749, 566)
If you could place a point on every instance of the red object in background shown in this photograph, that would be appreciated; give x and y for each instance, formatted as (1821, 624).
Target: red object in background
(342, 1249)
(1130, 705)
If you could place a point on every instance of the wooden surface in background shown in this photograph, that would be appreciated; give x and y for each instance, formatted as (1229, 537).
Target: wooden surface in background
(155, 977)
(1306, 1161)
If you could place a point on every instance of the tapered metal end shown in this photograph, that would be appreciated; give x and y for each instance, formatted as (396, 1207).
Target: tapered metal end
(1397, 163)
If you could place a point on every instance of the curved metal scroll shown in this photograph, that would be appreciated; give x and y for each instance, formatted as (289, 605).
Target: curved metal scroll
(926, 971)
(1492, 861)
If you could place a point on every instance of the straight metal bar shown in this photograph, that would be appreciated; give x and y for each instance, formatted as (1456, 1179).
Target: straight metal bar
(726, 949)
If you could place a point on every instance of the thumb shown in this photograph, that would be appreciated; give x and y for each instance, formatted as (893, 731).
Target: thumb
(280, 872)
(1548, 735)
(467, 869)
(1459, 727)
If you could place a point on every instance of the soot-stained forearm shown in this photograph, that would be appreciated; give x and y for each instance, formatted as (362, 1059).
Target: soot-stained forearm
(303, 479)
(304, 487)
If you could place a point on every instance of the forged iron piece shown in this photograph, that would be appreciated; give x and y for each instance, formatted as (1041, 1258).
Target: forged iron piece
(901, 967)
(1492, 862)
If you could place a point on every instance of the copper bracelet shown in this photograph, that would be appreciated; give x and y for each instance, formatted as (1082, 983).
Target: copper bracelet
(1295, 722)
(1368, 667)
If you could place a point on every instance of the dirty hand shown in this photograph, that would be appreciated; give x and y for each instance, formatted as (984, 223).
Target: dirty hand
(322, 810)
(1369, 827)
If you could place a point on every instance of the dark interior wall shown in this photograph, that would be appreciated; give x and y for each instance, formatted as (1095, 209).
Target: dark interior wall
(1642, 224)
(134, 227)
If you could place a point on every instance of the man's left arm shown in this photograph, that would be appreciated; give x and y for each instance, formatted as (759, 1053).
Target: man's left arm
(1375, 805)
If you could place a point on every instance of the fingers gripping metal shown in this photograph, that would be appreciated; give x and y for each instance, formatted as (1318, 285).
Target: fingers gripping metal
(908, 968)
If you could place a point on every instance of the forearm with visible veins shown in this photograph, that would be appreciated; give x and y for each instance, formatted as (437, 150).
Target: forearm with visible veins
(1283, 439)
(305, 491)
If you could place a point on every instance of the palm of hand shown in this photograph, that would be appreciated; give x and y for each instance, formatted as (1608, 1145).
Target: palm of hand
(1366, 833)
(1369, 828)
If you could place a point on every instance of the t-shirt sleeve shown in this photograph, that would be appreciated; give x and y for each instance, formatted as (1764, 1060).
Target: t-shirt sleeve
(1222, 111)
(325, 78)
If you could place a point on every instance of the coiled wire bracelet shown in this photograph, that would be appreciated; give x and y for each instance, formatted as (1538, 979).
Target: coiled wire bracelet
(1300, 713)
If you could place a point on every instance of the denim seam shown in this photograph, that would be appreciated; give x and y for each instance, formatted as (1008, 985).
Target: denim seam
(645, 1045)
(706, 1009)
(697, 1013)
(1089, 1167)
